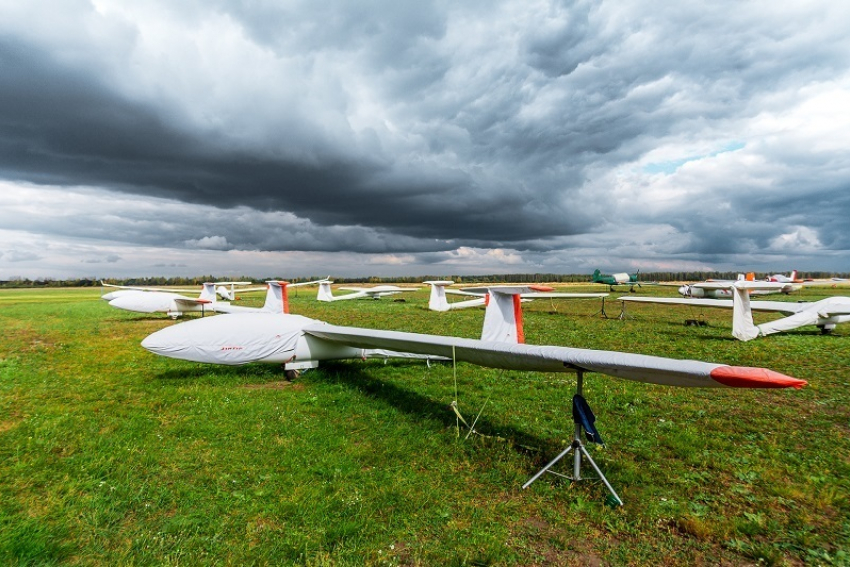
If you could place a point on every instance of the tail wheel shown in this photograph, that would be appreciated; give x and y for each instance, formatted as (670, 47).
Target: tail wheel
(291, 375)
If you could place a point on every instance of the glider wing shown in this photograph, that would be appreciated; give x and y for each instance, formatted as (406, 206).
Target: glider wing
(493, 354)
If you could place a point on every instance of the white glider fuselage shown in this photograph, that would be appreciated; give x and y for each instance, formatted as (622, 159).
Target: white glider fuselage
(172, 304)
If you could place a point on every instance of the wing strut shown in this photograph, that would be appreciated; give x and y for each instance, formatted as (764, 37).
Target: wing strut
(583, 418)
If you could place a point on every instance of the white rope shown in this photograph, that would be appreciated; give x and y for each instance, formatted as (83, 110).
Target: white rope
(454, 402)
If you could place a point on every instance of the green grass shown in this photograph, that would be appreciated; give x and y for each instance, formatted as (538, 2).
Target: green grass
(111, 455)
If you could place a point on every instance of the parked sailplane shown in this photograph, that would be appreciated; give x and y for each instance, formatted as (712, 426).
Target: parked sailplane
(174, 304)
(296, 340)
(722, 289)
(298, 343)
(824, 314)
(376, 292)
(220, 289)
(439, 302)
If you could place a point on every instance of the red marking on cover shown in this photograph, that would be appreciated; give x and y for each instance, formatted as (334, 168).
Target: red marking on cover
(285, 293)
(203, 301)
(520, 335)
(486, 299)
(747, 377)
(541, 288)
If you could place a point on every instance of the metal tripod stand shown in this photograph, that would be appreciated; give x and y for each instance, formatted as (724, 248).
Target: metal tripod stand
(577, 446)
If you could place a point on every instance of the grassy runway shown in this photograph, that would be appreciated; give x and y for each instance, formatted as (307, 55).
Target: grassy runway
(111, 455)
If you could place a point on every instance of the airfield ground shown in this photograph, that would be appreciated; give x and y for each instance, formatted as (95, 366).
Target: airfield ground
(111, 455)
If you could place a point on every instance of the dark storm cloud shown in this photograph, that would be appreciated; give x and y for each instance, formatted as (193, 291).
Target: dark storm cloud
(63, 127)
(425, 127)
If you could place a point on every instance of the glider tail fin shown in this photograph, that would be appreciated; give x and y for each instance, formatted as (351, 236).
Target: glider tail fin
(208, 293)
(277, 297)
(503, 318)
(743, 327)
(438, 301)
(325, 293)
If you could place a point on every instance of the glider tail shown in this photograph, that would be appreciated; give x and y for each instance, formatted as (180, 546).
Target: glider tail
(325, 293)
(277, 297)
(438, 301)
(208, 293)
(743, 327)
(503, 318)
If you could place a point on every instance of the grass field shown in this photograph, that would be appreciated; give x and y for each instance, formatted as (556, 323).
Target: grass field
(111, 455)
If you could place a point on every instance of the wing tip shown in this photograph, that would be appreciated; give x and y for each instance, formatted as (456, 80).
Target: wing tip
(748, 377)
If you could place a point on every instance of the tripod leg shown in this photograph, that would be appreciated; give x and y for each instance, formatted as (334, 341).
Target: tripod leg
(601, 476)
(550, 465)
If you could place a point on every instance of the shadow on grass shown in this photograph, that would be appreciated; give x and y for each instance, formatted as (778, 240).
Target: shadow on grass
(349, 375)
(427, 409)
(257, 373)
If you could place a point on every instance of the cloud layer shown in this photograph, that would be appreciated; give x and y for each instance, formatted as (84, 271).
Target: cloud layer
(529, 136)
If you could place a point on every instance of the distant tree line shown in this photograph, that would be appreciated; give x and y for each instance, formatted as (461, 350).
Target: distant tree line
(17, 282)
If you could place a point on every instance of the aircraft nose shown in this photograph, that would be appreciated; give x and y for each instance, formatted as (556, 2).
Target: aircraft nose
(121, 302)
(158, 342)
(684, 290)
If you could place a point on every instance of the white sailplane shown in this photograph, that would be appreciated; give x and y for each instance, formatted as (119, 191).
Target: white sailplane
(220, 289)
(175, 304)
(299, 342)
(376, 292)
(439, 302)
(294, 339)
(168, 302)
(824, 314)
(722, 289)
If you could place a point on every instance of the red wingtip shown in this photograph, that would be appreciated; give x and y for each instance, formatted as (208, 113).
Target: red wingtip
(747, 377)
(541, 288)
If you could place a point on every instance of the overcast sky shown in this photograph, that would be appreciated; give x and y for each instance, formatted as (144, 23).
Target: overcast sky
(156, 137)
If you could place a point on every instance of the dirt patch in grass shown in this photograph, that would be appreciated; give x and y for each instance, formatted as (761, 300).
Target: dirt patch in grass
(9, 424)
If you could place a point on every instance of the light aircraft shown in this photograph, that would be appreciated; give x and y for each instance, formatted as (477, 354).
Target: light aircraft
(782, 278)
(376, 292)
(824, 314)
(612, 280)
(220, 289)
(439, 302)
(299, 342)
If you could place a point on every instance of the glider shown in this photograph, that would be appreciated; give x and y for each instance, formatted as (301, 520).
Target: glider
(174, 304)
(377, 292)
(168, 302)
(721, 289)
(825, 314)
(439, 302)
(294, 339)
(220, 289)
(299, 342)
